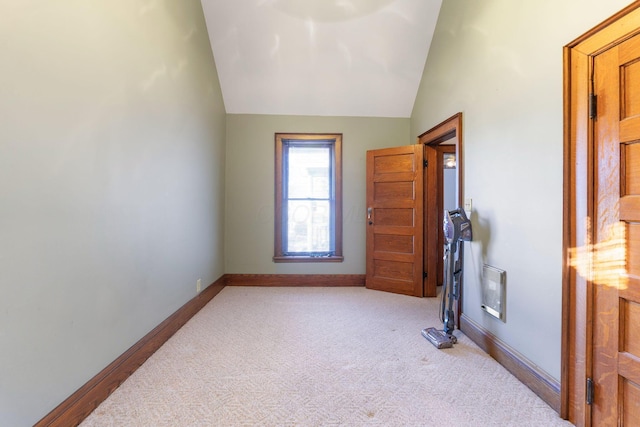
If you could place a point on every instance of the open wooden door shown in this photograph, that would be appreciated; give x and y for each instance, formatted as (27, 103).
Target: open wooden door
(601, 301)
(616, 257)
(395, 220)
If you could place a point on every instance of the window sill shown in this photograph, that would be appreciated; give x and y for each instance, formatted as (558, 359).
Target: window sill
(308, 258)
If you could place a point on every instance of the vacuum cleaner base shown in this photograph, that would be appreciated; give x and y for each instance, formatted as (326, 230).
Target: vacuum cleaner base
(439, 338)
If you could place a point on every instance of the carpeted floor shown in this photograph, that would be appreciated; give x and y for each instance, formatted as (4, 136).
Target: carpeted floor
(319, 357)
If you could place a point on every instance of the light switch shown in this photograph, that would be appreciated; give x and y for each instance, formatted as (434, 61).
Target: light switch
(467, 206)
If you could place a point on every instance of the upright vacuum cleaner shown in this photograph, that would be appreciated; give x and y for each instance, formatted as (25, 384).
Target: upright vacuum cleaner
(457, 229)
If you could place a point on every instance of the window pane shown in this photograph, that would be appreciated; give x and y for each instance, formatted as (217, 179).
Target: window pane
(309, 226)
(308, 173)
(308, 198)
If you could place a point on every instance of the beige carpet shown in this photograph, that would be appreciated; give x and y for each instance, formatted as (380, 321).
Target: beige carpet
(319, 357)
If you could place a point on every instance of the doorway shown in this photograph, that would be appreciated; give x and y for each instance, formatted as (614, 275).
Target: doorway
(601, 281)
(442, 190)
(407, 189)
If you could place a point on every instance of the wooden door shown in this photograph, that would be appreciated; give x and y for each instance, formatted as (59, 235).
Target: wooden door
(616, 234)
(394, 220)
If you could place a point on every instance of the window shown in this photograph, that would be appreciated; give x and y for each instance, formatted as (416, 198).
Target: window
(308, 205)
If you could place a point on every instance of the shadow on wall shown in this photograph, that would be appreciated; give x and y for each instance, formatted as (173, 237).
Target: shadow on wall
(481, 233)
(482, 238)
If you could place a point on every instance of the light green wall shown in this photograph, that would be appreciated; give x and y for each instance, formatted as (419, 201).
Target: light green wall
(500, 63)
(111, 185)
(250, 187)
(113, 170)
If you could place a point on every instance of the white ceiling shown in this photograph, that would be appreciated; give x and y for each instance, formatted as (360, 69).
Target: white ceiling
(320, 57)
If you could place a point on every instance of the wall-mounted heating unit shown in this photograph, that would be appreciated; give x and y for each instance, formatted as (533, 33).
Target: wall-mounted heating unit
(494, 282)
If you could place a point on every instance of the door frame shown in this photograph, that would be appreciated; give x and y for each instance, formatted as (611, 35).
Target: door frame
(431, 140)
(578, 206)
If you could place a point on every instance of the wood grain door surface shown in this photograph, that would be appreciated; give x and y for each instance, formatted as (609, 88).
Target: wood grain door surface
(395, 220)
(616, 234)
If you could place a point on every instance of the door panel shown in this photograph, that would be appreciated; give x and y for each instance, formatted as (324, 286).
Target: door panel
(394, 220)
(616, 275)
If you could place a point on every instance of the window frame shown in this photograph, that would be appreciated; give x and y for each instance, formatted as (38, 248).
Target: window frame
(281, 140)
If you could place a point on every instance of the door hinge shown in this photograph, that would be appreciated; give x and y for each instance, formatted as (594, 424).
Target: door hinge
(426, 163)
(590, 391)
(593, 106)
(424, 275)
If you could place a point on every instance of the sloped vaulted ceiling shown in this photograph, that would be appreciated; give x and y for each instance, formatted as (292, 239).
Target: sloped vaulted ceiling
(320, 57)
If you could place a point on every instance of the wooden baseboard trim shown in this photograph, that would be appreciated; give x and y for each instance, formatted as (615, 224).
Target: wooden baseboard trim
(80, 404)
(302, 280)
(546, 387)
